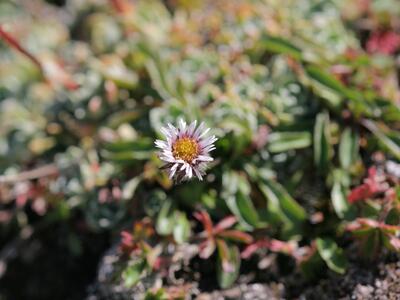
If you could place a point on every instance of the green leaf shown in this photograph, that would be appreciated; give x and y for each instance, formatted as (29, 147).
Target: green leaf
(158, 68)
(281, 205)
(181, 229)
(284, 141)
(160, 294)
(140, 144)
(393, 217)
(232, 255)
(246, 208)
(388, 143)
(281, 46)
(132, 274)
(371, 244)
(340, 204)
(166, 218)
(326, 79)
(332, 255)
(233, 207)
(348, 148)
(312, 267)
(236, 195)
(121, 117)
(326, 86)
(130, 187)
(370, 209)
(113, 68)
(322, 147)
(127, 156)
(129, 151)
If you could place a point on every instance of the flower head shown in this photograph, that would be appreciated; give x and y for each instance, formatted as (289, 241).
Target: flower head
(186, 150)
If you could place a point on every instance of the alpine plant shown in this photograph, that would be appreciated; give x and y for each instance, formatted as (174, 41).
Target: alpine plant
(186, 150)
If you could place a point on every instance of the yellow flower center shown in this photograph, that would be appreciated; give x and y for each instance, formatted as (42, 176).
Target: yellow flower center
(185, 149)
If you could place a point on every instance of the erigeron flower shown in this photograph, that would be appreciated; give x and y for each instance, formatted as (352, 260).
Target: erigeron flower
(186, 150)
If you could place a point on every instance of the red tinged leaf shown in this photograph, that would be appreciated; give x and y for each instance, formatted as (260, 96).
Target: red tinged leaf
(260, 139)
(390, 229)
(237, 236)
(373, 184)
(252, 248)
(372, 235)
(205, 219)
(225, 223)
(161, 263)
(362, 224)
(127, 244)
(387, 42)
(359, 193)
(280, 246)
(207, 248)
(270, 244)
(395, 243)
(9, 39)
(370, 223)
(126, 237)
(211, 235)
(135, 240)
(122, 6)
(379, 225)
(390, 195)
(55, 72)
(249, 251)
(223, 252)
(52, 70)
(152, 255)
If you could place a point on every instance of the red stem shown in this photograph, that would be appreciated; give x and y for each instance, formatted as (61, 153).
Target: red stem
(17, 46)
(119, 5)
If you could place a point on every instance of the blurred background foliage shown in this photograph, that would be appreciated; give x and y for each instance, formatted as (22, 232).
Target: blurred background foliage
(303, 96)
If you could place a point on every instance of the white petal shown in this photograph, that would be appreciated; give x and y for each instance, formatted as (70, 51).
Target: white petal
(207, 149)
(197, 172)
(173, 130)
(182, 126)
(189, 172)
(198, 130)
(168, 154)
(161, 144)
(173, 170)
(202, 167)
(204, 158)
(192, 128)
(170, 141)
(208, 141)
(204, 133)
(166, 132)
(167, 158)
(172, 127)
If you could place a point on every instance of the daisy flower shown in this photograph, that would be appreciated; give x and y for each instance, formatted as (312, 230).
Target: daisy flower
(186, 150)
